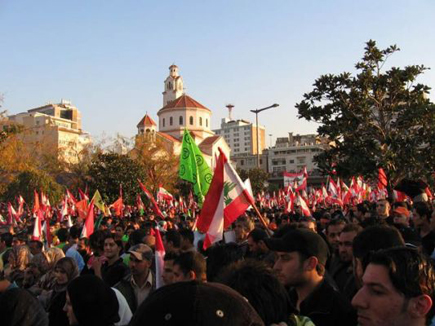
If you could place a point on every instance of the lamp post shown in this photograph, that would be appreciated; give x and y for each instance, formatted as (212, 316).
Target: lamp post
(258, 130)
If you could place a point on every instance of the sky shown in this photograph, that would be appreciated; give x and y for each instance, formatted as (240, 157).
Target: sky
(110, 58)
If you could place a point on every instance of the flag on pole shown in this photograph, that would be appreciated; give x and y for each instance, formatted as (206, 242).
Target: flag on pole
(150, 196)
(159, 255)
(88, 227)
(163, 194)
(226, 200)
(37, 229)
(193, 167)
(35, 203)
(382, 179)
(98, 202)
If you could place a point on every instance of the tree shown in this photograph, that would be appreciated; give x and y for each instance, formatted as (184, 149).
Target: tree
(376, 118)
(258, 178)
(108, 171)
(27, 182)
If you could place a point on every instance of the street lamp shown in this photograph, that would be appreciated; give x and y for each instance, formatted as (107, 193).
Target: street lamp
(258, 132)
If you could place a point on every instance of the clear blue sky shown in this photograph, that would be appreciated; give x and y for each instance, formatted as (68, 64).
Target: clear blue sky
(110, 58)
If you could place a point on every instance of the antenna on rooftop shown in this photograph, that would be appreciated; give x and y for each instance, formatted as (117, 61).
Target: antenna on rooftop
(230, 111)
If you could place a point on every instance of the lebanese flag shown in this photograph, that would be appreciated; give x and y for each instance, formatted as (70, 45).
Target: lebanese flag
(155, 207)
(382, 179)
(12, 214)
(159, 255)
(88, 227)
(83, 195)
(71, 197)
(303, 204)
(226, 200)
(37, 229)
(163, 194)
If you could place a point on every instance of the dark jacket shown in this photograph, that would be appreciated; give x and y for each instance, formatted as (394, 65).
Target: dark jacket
(125, 287)
(326, 307)
(114, 273)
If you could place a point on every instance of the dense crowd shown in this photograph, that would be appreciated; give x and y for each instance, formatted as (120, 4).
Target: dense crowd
(365, 264)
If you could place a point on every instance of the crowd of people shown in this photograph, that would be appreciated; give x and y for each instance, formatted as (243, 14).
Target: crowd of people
(364, 264)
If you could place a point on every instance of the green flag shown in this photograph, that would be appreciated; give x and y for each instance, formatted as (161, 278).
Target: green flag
(194, 168)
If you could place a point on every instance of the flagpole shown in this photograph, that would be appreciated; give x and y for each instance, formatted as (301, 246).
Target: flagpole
(269, 233)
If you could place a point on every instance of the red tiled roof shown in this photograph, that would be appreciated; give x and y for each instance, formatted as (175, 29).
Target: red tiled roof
(184, 101)
(168, 137)
(209, 141)
(146, 121)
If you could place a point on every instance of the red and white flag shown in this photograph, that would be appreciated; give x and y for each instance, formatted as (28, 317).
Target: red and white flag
(150, 196)
(163, 194)
(159, 257)
(37, 229)
(226, 200)
(303, 204)
(88, 226)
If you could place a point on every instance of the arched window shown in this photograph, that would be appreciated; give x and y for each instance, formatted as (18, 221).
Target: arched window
(200, 121)
(170, 121)
(180, 120)
(163, 122)
(206, 123)
(191, 121)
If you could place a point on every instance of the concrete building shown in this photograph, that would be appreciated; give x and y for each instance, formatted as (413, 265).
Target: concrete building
(241, 135)
(181, 111)
(54, 127)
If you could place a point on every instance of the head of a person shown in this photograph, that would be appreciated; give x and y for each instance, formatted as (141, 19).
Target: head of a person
(308, 223)
(20, 257)
(65, 270)
(53, 255)
(168, 268)
(36, 247)
(119, 231)
(112, 247)
(220, 256)
(5, 240)
(187, 238)
(333, 230)
(243, 226)
(257, 283)
(371, 239)
(83, 247)
(401, 216)
(18, 240)
(383, 208)
(96, 242)
(172, 240)
(422, 213)
(141, 257)
(398, 289)
(196, 304)
(345, 241)
(362, 210)
(302, 255)
(91, 302)
(62, 234)
(189, 266)
(256, 241)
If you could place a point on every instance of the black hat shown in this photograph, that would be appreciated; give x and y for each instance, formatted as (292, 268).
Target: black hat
(411, 188)
(304, 241)
(196, 304)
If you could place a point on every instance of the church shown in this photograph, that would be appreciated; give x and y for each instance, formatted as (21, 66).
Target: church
(181, 111)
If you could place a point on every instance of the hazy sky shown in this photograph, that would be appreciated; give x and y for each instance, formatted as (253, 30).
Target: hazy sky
(110, 58)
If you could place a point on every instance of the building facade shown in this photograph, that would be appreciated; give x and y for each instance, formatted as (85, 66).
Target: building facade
(54, 128)
(241, 136)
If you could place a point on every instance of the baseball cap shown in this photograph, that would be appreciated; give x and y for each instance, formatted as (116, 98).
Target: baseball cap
(196, 304)
(301, 240)
(141, 251)
(402, 211)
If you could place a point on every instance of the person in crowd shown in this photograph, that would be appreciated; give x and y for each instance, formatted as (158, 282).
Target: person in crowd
(136, 286)
(18, 259)
(383, 208)
(308, 223)
(257, 283)
(168, 268)
(65, 271)
(98, 307)
(172, 241)
(242, 227)
(73, 238)
(48, 280)
(219, 256)
(187, 239)
(110, 267)
(300, 265)
(5, 248)
(333, 230)
(63, 235)
(422, 213)
(189, 266)
(196, 304)
(258, 249)
(398, 288)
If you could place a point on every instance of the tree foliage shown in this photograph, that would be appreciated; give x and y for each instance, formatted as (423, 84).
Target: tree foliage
(258, 178)
(376, 118)
(108, 171)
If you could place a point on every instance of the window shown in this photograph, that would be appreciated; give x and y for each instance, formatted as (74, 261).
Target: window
(206, 123)
(236, 135)
(291, 161)
(163, 122)
(180, 120)
(170, 121)
(191, 121)
(242, 162)
(300, 159)
(200, 121)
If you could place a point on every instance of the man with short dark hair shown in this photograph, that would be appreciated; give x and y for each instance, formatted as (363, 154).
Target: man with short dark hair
(302, 256)
(187, 238)
(172, 241)
(398, 289)
(141, 282)
(189, 266)
(168, 268)
(333, 230)
(258, 249)
(5, 246)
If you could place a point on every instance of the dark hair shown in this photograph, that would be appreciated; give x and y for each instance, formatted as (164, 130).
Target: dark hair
(248, 224)
(170, 256)
(38, 243)
(334, 222)
(363, 208)
(351, 227)
(7, 239)
(118, 242)
(191, 261)
(257, 283)
(174, 237)
(136, 237)
(423, 209)
(62, 234)
(410, 272)
(96, 240)
(374, 238)
(258, 234)
(187, 234)
(220, 256)
(74, 232)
